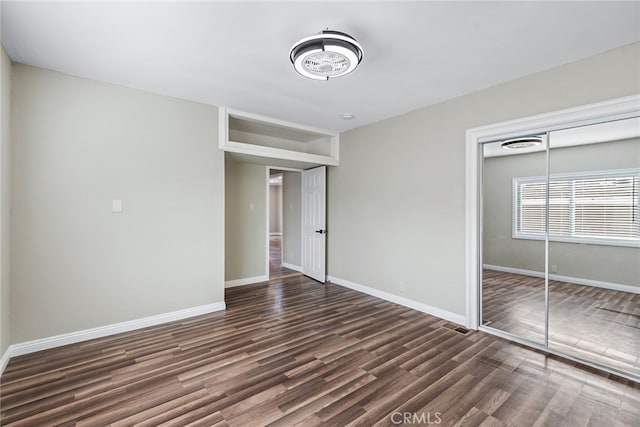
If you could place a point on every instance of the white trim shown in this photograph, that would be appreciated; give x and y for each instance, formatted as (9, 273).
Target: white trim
(4, 360)
(292, 267)
(625, 243)
(619, 108)
(226, 144)
(275, 234)
(599, 112)
(406, 302)
(473, 217)
(246, 281)
(223, 127)
(285, 169)
(267, 251)
(103, 331)
(278, 153)
(572, 280)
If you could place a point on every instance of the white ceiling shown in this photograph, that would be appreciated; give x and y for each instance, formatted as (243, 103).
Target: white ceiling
(235, 54)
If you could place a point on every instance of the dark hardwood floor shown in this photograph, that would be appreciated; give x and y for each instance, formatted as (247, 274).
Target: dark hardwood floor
(595, 324)
(276, 269)
(294, 352)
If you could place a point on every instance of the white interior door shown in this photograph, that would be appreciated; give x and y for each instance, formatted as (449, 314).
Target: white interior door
(314, 231)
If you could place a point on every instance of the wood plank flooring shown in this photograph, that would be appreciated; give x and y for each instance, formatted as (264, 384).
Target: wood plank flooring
(294, 352)
(276, 269)
(595, 324)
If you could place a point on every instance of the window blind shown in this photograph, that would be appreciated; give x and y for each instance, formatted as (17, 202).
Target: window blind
(597, 206)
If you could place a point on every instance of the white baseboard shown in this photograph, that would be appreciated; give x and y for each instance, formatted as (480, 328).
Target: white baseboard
(103, 331)
(568, 279)
(245, 281)
(406, 302)
(292, 267)
(4, 360)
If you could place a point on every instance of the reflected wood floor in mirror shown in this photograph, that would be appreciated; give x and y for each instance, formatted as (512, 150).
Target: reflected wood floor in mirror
(276, 269)
(595, 324)
(300, 353)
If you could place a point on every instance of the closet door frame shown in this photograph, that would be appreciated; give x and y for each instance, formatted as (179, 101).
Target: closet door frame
(614, 109)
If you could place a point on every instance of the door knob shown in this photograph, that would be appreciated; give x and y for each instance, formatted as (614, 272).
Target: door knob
(321, 231)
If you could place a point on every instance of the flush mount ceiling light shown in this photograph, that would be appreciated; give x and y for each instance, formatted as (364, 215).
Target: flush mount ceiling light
(326, 55)
(521, 142)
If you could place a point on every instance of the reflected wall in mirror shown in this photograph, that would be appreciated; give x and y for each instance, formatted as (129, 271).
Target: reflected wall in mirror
(594, 250)
(511, 301)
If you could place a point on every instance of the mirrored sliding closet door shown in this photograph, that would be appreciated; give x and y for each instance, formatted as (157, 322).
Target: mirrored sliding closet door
(594, 252)
(561, 242)
(513, 284)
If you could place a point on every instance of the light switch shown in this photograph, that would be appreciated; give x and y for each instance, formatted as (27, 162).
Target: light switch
(116, 206)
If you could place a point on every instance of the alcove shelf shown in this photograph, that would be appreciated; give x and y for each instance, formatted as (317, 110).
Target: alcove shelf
(265, 137)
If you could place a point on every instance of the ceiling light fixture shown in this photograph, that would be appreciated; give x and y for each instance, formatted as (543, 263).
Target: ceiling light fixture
(347, 116)
(521, 142)
(326, 55)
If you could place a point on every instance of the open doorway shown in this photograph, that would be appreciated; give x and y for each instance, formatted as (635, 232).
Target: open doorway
(275, 222)
(284, 223)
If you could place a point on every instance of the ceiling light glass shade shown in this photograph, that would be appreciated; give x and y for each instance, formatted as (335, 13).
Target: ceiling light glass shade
(326, 55)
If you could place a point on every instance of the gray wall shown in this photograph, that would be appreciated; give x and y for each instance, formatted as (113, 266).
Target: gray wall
(397, 200)
(275, 209)
(246, 209)
(246, 216)
(292, 218)
(78, 144)
(614, 264)
(497, 211)
(5, 197)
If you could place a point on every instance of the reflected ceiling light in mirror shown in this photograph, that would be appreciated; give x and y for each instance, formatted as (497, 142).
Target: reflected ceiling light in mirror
(521, 142)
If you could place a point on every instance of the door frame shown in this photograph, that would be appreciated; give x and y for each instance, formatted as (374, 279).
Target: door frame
(268, 170)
